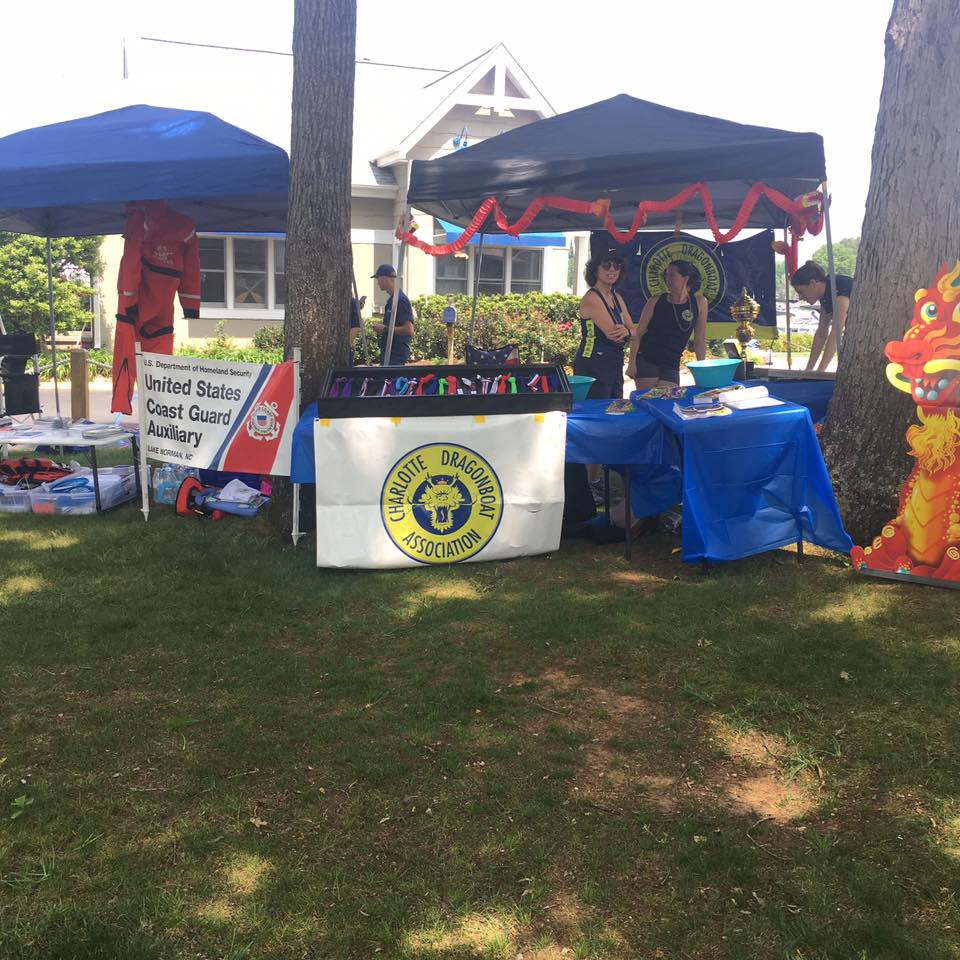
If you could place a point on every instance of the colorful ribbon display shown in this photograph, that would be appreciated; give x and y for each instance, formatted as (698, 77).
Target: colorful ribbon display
(805, 216)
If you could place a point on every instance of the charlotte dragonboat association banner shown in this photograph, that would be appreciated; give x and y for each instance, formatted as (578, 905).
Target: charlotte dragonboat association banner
(219, 415)
(405, 491)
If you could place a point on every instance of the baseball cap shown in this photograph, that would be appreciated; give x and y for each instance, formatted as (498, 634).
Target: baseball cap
(384, 270)
(609, 253)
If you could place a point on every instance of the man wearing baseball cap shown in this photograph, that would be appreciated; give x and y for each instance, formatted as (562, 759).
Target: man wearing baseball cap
(386, 278)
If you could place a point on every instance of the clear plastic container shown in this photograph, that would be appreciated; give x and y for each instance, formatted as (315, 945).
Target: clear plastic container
(13, 500)
(117, 485)
(167, 480)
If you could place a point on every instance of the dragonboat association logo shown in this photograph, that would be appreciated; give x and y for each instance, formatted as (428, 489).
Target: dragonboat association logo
(713, 279)
(264, 422)
(441, 503)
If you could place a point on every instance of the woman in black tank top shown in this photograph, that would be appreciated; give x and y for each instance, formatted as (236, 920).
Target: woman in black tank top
(666, 326)
(605, 327)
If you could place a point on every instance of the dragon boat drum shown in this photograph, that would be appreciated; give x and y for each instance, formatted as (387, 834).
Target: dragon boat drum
(439, 464)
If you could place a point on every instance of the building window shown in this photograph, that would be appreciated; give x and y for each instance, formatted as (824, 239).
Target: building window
(244, 274)
(451, 274)
(492, 273)
(249, 272)
(279, 272)
(213, 289)
(526, 271)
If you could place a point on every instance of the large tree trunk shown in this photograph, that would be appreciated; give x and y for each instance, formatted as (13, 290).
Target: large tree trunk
(319, 258)
(911, 227)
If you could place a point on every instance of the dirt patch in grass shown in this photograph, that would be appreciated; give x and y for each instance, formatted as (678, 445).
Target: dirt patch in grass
(627, 761)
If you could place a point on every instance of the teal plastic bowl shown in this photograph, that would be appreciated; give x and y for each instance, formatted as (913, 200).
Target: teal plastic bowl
(713, 373)
(580, 386)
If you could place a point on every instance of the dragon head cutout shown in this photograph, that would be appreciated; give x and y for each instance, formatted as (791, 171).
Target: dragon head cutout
(926, 362)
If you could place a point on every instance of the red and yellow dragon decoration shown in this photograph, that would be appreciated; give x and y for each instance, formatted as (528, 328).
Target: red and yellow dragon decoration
(923, 540)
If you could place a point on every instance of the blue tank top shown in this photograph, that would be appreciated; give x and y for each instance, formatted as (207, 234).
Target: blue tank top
(593, 341)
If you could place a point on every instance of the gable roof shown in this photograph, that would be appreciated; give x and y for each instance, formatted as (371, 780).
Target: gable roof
(510, 89)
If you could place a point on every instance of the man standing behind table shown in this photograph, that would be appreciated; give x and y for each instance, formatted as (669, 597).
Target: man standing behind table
(386, 278)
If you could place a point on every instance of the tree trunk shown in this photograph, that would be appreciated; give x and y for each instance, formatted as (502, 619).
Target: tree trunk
(911, 227)
(319, 256)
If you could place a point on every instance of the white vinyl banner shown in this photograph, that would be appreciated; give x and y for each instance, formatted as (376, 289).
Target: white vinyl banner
(406, 491)
(216, 414)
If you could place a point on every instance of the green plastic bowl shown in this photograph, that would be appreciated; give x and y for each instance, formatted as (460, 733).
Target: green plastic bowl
(580, 386)
(713, 373)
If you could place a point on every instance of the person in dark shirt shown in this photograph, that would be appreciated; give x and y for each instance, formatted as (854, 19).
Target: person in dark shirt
(386, 278)
(813, 285)
(356, 323)
(665, 327)
(605, 327)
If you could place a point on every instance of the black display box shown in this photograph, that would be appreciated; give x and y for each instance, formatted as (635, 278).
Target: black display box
(528, 399)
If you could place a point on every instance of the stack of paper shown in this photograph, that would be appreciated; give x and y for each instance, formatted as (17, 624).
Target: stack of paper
(749, 399)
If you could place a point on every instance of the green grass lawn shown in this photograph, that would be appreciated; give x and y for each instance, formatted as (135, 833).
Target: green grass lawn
(211, 749)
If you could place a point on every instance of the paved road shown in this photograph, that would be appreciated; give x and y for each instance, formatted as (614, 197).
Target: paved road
(100, 394)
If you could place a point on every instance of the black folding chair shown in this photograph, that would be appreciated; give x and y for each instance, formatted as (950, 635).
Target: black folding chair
(19, 387)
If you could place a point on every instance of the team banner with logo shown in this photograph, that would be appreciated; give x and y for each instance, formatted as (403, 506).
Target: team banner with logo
(724, 271)
(218, 415)
(403, 492)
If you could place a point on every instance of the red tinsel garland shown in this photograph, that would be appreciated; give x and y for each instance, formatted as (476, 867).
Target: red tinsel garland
(805, 216)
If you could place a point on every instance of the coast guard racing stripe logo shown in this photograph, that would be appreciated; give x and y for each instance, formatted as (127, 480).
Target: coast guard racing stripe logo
(441, 503)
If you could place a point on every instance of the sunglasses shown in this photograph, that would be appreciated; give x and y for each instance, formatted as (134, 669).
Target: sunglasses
(611, 264)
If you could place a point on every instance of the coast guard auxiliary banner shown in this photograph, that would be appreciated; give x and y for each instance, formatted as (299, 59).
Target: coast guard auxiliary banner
(405, 491)
(219, 415)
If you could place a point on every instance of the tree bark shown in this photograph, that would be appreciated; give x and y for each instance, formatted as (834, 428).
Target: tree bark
(319, 254)
(911, 227)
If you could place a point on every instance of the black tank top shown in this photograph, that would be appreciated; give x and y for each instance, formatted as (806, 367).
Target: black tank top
(593, 341)
(670, 330)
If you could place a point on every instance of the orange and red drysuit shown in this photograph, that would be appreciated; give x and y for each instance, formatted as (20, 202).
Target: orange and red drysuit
(161, 257)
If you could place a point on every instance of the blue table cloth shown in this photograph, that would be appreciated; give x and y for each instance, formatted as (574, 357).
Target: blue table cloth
(636, 440)
(813, 394)
(752, 481)
(593, 436)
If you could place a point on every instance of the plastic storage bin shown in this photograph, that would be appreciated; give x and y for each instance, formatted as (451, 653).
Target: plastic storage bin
(75, 494)
(14, 500)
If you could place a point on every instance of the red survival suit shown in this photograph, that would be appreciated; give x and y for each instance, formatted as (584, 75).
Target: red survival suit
(161, 257)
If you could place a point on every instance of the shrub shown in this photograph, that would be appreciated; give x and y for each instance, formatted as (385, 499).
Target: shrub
(268, 338)
(545, 326)
(799, 343)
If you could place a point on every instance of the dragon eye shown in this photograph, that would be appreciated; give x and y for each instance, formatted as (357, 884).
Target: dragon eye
(928, 312)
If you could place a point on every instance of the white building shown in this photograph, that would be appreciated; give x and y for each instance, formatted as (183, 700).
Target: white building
(401, 113)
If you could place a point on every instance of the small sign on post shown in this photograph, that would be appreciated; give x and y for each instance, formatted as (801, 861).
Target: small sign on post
(450, 318)
(79, 385)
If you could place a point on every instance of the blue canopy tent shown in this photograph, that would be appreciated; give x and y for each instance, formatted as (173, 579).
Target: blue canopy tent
(75, 178)
(624, 150)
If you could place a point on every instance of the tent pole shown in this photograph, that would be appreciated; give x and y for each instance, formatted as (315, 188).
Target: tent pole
(392, 319)
(363, 329)
(53, 332)
(786, 297)
(476, 289)
(831, 273)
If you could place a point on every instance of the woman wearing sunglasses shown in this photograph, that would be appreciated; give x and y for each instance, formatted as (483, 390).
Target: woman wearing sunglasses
(665, 327)
(605, 327)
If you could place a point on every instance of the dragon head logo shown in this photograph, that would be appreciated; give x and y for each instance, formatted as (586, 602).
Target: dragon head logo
(926, 362)
(441, 500)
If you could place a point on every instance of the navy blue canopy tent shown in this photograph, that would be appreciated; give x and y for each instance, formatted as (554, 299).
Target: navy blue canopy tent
(74, 179)
(625, 149)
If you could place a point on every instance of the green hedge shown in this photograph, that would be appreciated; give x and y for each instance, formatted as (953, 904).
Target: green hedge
(545, 326)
